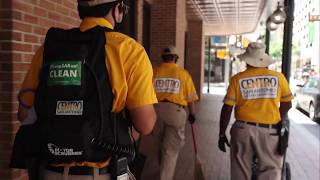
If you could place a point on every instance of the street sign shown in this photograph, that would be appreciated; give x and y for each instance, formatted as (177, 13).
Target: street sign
(223, 53)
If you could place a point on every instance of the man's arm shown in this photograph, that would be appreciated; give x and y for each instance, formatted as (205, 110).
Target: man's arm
(225, 118)
(31, 81)
(192, 111)
(224, 121)
(143, 118)
(284, 108)
(22, 113)
(191, 108)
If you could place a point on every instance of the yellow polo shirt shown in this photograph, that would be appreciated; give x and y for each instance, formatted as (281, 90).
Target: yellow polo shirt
(129, 68)
(256, 94)
(174, 84)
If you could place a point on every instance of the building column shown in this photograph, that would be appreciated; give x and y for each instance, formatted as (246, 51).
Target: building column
(139, 20)
(195, 53)
(168, 26)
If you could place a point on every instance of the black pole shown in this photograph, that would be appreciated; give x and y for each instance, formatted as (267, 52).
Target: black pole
(287, 38)
(209, 69)
(267, 40)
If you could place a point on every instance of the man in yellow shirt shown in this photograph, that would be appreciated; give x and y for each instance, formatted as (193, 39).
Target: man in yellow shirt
(175, 91)
(130, 75)
(256, 94)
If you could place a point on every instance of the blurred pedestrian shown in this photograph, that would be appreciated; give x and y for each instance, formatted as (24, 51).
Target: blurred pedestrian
(175, 91)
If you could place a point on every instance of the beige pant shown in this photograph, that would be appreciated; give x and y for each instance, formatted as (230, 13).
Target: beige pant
(169, 136)
(248, 141)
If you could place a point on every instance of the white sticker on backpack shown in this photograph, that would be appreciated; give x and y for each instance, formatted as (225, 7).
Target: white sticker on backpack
(259, 87)
(69, 108)
(57, 151)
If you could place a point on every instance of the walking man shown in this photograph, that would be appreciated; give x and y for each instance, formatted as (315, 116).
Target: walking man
(175, 91)
(115, 80)
(256, 94)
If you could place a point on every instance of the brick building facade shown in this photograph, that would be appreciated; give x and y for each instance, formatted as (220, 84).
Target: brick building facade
(23, 24)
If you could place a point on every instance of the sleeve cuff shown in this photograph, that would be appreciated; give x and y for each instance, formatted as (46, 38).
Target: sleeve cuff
(286, 98)
(229, 101)
(141, 103)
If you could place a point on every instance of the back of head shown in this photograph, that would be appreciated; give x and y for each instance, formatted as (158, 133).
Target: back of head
(95, 8)
(170, 54)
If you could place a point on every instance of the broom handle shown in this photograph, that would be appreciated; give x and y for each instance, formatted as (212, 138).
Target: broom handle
(194, 139)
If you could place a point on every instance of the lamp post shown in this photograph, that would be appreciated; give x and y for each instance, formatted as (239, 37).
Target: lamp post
(287, 39)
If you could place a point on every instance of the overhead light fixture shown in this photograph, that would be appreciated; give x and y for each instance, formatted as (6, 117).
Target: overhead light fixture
(278, 16)
(271, 25)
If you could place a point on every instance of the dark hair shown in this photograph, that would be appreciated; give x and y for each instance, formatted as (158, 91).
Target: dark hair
(169, 57)
(96, 11)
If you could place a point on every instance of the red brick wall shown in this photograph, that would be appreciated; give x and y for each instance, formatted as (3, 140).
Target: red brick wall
(168, 26)
(163, 27)
(23, 25)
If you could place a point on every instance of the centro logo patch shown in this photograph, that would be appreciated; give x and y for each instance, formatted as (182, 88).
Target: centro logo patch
(259, 87)
(55, 150)
(167, 85)
(69, 108)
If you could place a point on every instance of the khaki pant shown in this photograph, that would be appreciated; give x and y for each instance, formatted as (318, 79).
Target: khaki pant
(248, 141)
(169, 136)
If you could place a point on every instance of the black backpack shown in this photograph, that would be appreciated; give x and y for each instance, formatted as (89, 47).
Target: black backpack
(74, 100)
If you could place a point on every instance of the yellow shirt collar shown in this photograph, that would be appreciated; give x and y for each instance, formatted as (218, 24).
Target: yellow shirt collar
(168, 64)
(91, 22)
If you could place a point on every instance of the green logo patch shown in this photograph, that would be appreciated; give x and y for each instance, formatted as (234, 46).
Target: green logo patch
(65, 73)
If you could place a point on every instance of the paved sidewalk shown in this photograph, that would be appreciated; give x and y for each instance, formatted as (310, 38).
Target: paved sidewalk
(303, 154)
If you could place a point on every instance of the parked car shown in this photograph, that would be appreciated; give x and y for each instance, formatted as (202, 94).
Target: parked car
(308, 97)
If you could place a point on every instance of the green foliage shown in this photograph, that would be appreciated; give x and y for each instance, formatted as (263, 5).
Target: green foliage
(276, 49)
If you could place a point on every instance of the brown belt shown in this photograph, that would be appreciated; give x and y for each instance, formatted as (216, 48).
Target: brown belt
(272, 126)
(171, 102)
